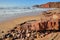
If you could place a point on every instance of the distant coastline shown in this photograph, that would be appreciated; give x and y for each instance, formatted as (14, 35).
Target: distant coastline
(49, 5)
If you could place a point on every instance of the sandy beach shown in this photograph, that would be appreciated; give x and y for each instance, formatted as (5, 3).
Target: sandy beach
(9, 21)
(29, 19)
(8, 25)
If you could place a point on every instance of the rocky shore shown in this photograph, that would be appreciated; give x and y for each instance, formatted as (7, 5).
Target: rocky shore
(35, 28)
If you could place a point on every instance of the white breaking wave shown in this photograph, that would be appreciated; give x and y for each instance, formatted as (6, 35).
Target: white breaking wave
(6, 14)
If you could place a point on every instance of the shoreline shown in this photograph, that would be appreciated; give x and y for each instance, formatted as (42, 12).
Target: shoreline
(8, 25)
(13, 15)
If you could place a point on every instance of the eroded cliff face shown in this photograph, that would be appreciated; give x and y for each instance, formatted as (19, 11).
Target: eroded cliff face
(49, 5)
(48, 21)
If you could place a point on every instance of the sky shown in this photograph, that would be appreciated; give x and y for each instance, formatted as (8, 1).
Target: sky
(23, 3)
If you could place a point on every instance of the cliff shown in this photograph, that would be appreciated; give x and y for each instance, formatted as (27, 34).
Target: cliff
(49, 5)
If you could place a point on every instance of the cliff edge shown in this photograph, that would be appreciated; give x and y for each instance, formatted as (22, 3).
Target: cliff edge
(49, 5)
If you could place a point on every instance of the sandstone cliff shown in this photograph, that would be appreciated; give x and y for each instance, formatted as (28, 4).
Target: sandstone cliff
(49, 5)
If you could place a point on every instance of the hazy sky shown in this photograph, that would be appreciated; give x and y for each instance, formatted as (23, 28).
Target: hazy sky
(22, 3)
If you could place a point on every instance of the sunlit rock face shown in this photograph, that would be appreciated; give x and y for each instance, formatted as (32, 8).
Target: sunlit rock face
(49, 5)
(55, 16)
(50, 21)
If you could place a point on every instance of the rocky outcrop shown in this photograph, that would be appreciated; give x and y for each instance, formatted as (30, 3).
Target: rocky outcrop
(32, 29)
(49, 5)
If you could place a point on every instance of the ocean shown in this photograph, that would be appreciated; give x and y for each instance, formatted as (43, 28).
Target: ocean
(11, 13)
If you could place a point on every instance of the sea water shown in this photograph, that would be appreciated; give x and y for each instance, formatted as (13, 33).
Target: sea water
(10, 13)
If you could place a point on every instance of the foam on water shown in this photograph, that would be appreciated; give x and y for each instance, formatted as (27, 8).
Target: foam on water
(6, 14)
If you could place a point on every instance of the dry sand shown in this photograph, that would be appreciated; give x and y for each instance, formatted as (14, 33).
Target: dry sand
(8, 25)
